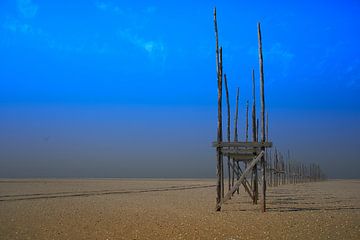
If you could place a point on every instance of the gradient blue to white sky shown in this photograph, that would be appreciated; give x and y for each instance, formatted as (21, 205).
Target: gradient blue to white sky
(128, 88)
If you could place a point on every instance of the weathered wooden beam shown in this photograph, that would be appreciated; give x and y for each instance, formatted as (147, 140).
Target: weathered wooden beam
(262, 93)
(243, 144)
(253, 116)
(222, 160)
(228, 127)
(247, 125)
(241, 179)
(241, 151)
(219, 123)
(238, 157)
(236, 164)
(267, 126)
(236, 116)
(254, 176)
(245, 183)
(262, 117)
(257, 129)
(247, 122)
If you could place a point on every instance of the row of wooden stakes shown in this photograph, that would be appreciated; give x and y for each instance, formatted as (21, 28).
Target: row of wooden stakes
(282, 171)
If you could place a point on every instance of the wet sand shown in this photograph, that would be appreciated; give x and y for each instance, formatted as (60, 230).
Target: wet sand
(174, 209)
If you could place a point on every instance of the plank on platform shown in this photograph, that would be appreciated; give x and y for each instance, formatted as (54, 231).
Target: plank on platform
(242, 144)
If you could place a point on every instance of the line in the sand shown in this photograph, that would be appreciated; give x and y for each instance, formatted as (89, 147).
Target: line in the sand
(34, 196)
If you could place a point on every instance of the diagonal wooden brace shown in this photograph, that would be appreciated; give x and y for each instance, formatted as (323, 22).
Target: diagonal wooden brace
(245, 183)
(247, 186)
(239, 182)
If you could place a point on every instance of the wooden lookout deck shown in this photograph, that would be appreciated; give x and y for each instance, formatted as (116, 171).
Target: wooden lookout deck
(250, 153)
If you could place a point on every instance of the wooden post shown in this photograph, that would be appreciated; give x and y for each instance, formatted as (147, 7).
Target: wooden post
(257, 129)
(219, 123)
(270, 170)
(289, 166)
(236, 130)
(253, 108)
(228, 129)
(222, 160)
(247, 122)
(247, 126)
(267, 127)
(266, 152)
(262, 96)
(254, 135)
(236, 116)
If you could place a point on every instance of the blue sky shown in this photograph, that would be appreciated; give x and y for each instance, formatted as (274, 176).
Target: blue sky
(91, 79)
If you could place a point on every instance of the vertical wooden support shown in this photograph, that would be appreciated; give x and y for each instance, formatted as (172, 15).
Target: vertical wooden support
(247, 122)
(236, 131)
(254, 135)
(228, 129)
(236, 135)
(270, 170)
(247, 126)
(266, 152)
(253, 108)
(222, 160)
(219, 123)
(257, 129)
(262, 96)
(267, 126)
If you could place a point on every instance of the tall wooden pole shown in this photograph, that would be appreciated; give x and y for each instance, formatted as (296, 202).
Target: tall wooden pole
(253, 108)
(262, 119)
(228, 129)
(254, 135)
(247, 122)
(222, 160)
(236, 130)
(247, 126)
(236, 116)
(266, 152)
(219, 123)
(257, 129)
(267, 126)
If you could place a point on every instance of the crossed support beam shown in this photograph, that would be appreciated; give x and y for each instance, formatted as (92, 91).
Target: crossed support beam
(253, 154)
(245, 183)
(241, 180)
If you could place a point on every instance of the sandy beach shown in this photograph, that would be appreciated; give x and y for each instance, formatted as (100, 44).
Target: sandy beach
(174, 209)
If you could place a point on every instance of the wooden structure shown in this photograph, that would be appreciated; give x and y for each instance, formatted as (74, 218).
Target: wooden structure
(251, 153)
(282, 171)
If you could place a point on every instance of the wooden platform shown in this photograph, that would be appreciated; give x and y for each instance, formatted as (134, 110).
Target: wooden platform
(242, 144)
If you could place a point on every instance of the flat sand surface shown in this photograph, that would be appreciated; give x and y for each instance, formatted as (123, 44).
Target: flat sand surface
(174, 209)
